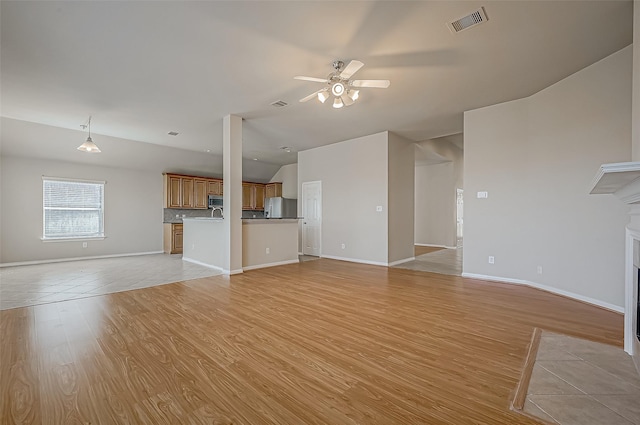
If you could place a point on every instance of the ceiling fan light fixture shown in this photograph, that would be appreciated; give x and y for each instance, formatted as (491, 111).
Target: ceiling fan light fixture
(337, 103)
(337, 89)
(88, 145)
(323, 96)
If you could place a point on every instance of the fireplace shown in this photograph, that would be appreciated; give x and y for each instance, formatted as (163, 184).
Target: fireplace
(623, 181)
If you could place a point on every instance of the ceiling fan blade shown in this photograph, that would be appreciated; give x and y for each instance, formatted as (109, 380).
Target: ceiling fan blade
(351, 69)
(311, 96)
(380, 84)
(314, 79)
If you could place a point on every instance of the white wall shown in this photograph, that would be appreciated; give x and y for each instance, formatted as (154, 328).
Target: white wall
(288, 175)
(401, 165)
(133, 210)
(354, 177)
(435, 194)
(537, 158)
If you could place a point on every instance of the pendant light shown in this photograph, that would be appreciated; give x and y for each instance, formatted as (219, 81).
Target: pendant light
(88, 146)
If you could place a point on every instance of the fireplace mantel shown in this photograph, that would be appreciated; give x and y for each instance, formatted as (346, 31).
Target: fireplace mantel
(621, 179)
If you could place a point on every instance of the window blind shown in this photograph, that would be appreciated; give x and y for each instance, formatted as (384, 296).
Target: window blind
(72, 209)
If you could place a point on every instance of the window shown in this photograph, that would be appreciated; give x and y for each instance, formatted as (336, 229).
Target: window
(72, 209)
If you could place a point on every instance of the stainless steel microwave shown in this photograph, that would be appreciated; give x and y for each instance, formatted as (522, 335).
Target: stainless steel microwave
(215, 201)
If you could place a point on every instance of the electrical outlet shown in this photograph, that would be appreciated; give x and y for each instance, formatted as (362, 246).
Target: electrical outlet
(539, 269)
(492, 260)
(268, 251)
(483, 195)
(342, 246)
(85, 244)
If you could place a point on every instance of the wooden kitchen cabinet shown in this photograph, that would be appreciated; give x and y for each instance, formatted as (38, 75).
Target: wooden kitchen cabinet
(173, 238)
(258, 197)
(172, 192)
(273, 189)
(252, 196)
(214, 187)
(186, 184)
(185, 192)
(200, 192)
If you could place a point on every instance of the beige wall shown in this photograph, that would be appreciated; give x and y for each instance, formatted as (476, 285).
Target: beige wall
(537, 157)
(280, 237)
(435, 194)
(288, 175)
(354, 177)
(357, 176)
(401, 165)
(133, 210)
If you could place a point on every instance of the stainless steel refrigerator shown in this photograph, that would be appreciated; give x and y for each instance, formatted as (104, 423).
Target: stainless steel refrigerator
(280, 208)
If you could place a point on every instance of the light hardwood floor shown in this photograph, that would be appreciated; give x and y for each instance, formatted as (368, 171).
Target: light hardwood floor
(324, 342)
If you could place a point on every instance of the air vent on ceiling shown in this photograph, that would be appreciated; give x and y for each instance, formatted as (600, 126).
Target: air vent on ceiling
(279, 104)
(172, 133)
(471, 20)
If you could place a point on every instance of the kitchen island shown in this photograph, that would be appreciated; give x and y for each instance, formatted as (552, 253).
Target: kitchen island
(269, 242)
(202, 241)
(265, 242)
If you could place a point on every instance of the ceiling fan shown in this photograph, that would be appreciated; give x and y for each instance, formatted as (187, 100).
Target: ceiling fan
(340, 85)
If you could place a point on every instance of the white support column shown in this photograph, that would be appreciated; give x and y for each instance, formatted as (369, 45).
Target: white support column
(232, 191)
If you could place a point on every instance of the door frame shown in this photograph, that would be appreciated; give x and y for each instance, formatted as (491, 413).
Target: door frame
(304, 185)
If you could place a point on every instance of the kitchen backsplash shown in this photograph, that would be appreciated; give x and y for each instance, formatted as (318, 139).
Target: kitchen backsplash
(252, 214)
(172, 215)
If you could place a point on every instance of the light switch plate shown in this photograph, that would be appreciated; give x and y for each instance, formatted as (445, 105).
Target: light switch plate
(483, 195)
(379, 208)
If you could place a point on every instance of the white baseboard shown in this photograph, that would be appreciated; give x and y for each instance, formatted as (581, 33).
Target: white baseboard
(354, 260)
(435, 246)
(406, 260)
(546, 288)
(62, 260)
(200, 263)
(300, 253)
(262, 266)
(236, 271)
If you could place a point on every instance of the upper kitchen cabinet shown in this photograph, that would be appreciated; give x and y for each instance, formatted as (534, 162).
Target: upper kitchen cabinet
(214, 187)
(200, 188)
(184, 192)
(172, 191)
(258, 200)
(273, 189)
(252, 196)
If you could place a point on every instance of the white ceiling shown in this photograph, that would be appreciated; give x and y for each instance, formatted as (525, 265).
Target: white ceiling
(142, 69)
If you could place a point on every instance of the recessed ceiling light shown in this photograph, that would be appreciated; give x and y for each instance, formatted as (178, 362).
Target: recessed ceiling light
(286, 149)
(172, 133)
(208, 150)
(255, 159)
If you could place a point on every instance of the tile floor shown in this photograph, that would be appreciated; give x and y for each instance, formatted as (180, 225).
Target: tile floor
(444, 261)
(22, 286)
(575, 381)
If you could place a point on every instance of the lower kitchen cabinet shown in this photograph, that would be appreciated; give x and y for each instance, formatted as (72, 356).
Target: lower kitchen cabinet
(172, 238)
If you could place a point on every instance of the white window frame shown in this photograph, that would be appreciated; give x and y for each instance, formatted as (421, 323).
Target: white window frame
(97, 236)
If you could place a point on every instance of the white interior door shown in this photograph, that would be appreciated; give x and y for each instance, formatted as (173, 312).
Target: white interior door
(312, 218)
